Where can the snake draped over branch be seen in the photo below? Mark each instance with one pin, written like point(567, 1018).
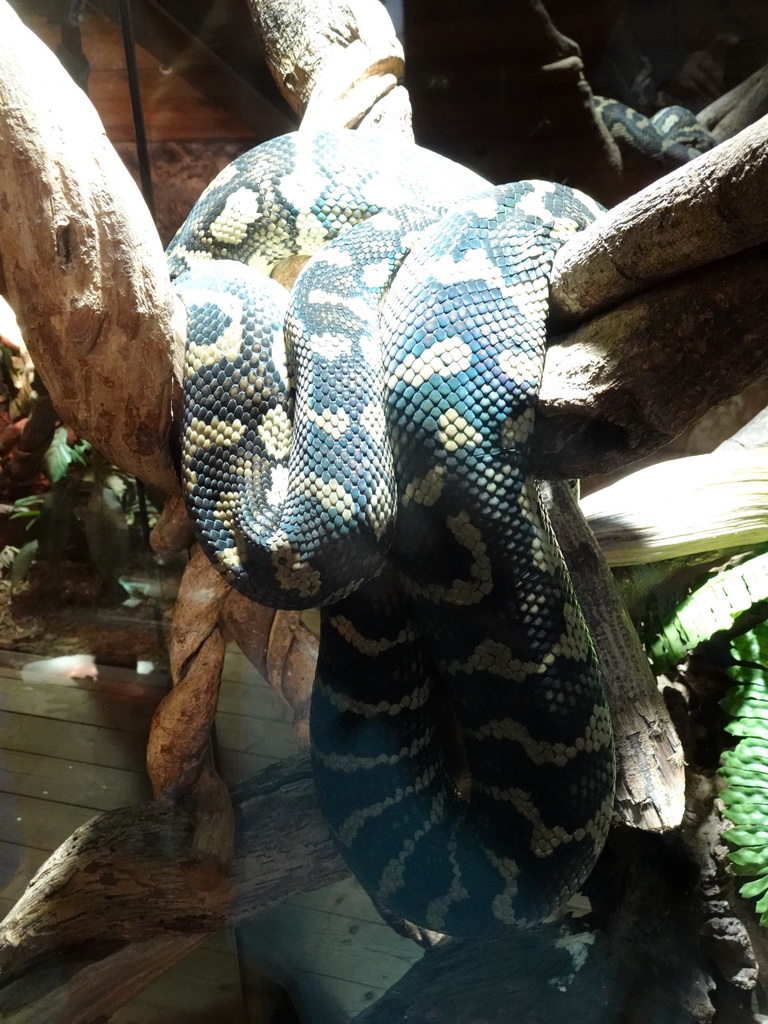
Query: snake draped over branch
point(362, 445)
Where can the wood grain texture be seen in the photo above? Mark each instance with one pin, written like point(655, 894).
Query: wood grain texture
point(650, 782)
point(710, 208)
point(334, 62)
point(83, 266)
point(133, 876)
point(631, 379)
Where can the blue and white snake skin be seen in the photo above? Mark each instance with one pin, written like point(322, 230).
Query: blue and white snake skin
point(363, 445)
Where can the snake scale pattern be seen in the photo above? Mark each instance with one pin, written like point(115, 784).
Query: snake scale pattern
point(362, 445)
point(672, 135)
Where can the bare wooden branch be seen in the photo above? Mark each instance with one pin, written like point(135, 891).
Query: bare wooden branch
point(173, 531)
point(683, 507)
point(131, 875)
point(334, 62)
point(712, 207)
point(100, 903)
point(82, 262)
point(739, 108)
point(631, 379)
point(178, 741)
point(711, 115)
point(650, 784)
point(282, 647)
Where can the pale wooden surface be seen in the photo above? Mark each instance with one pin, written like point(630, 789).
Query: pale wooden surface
point(72, 747)
point(172, 107)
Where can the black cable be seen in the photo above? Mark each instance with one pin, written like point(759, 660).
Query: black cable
point(142, 150)
point(145, 175)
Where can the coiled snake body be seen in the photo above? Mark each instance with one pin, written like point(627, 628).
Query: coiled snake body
point(401, 502)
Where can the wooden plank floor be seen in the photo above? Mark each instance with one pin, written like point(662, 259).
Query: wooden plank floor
point(70, 748)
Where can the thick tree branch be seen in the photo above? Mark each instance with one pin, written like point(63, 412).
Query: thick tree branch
point(110, 905)
point(629, 380)
point(82, 261)
point(683, 507)
point(650, 784)
point(335, 63)
point(710, 208)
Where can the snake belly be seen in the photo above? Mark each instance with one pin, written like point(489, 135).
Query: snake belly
point(459, 644)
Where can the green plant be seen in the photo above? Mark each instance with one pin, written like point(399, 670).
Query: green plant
point(721, 613)
point(90, 500)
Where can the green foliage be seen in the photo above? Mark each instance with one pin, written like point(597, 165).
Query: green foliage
point(22, 563)
point(28, 508)
point(745, 768)
point(89, 500)
point(60, 455)
point(712, 613)
point(710, 609)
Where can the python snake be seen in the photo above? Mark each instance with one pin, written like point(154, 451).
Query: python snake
point(672, 135)
point(362, 445)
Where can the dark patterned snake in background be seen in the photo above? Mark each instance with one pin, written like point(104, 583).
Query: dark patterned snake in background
point(362, 445)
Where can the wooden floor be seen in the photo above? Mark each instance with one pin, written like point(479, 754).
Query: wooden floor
point(71, 747)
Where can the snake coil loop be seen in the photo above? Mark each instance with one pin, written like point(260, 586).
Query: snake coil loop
point(363, 445)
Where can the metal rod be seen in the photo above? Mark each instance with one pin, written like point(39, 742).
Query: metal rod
point(139, 130)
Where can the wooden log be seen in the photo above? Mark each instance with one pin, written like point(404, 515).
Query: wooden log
point(711, 115)
point(178, 740)
point(710, 208)
point(683, 507)
point(650, 783)
point(631, 379)
point(335, 63)
point(172, 532)
point(282, 647)
point(104, 901)
point(68, 991)
point(134, 893)
point(82, 262)
point(750, 104)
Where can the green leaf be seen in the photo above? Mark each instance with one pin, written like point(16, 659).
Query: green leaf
point(58, 456)
point(745, 768)
point(750, 889)
point(710, 609)
point(748, 860)
point(749, 836)
point(80, 450)
point(754, 728)
point(23, 562)
point(28, 508)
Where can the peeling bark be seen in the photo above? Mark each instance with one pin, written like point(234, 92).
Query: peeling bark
point(650, 782)
point(631, 379)
point(335, 63)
